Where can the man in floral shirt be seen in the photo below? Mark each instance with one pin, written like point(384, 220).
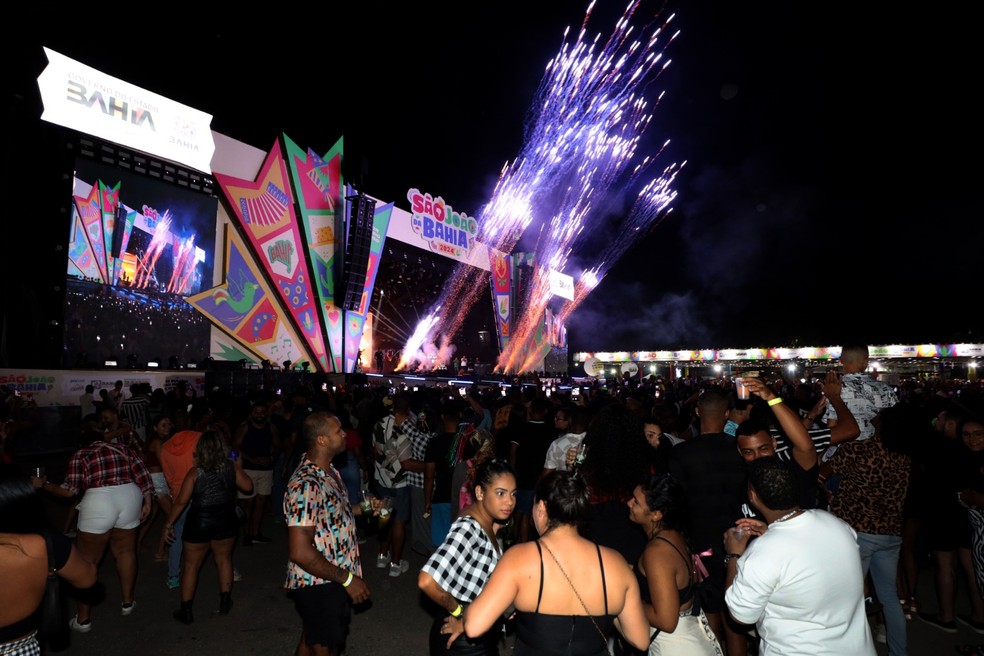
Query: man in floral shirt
point(324, 574)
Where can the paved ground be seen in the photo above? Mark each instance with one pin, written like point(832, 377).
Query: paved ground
point(263, 621)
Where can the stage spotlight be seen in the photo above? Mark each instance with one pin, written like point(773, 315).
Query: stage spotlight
point(242, 363)
point(153, 364)
point(131, 361)
point(287, 364)
point(109, 363)
point(305, 365)
point(173, 363)
point(266, 364)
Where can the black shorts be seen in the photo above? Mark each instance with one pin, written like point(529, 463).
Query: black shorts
point(326, 611)
point(201, 527)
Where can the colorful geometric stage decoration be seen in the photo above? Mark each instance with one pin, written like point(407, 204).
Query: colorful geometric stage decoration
point(317, 183)
point(264, 212)
point(247, 308)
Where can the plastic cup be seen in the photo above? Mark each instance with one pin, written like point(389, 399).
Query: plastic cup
point(385, 512)
point(366, 503)
point(741, 389)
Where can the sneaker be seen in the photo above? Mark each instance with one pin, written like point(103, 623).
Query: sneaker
point(382, 560)
point(126, 609)
point(261, 539)
point(970, 623)
point(399, 568)
point(80, 627)
point(236, 574)
point(934, 620)
point(173, 582)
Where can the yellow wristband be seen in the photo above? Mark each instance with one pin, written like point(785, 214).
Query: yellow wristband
point(348, 580)
point(457, 611)
point(775, 401)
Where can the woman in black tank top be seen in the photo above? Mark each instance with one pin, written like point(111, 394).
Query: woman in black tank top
point(667, 574)
point(570, 595)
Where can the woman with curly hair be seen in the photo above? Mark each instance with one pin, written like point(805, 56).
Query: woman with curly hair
point(615, 461)
point(211, 525)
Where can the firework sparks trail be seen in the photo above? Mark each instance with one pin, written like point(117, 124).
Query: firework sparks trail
point(419, 352)
point(651, 206)
point(157, 243)
point(579, 157)
point(178, 265)
point(185, 267)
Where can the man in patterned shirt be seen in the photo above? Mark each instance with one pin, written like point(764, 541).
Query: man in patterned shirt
point(135, 409)
point(418, 431)
point(864, 396)
point(116, 431)
point(324, 573)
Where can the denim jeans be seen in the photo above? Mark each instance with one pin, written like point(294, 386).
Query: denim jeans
point(880, 555)
point(174, 551)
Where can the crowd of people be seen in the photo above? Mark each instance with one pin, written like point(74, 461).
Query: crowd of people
point(619, 521)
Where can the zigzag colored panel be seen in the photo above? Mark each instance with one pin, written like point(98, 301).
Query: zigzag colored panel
point(91, 215)
point(264, 211)
point(245, 307)
point(80, 253)
point(131, 217)
point(109, 199)
point(317, 185)
point(501, 265)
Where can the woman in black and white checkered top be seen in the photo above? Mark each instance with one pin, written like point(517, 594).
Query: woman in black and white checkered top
point(457, 571)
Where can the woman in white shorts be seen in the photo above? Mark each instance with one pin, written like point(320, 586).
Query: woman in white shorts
point(158, 433)
point(117, 494)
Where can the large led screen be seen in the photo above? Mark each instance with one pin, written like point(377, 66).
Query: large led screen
point(138, 246)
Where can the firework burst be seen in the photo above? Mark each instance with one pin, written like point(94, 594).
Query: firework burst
point(581, 158)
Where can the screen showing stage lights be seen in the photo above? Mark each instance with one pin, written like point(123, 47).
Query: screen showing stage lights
point(138, 246)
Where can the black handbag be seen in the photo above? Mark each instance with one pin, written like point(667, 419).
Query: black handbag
point(53, 620)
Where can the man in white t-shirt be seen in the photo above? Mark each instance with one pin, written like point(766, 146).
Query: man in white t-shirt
point(800, 580)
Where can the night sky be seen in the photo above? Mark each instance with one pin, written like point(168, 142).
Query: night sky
point(831, 187)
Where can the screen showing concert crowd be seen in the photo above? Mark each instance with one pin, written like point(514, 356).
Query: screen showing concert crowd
point(138, 246)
